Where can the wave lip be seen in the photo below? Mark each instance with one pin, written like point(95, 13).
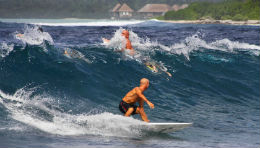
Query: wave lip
point(32, 36)
point(186, 47)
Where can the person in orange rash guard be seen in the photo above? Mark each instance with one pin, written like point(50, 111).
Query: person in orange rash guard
point(128, 45)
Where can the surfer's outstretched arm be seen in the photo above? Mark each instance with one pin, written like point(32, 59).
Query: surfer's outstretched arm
point(169, 74)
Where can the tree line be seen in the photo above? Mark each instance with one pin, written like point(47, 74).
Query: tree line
point(238, 10)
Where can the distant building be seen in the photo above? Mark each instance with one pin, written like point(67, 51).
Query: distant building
point(114, 11)
point(122, 11)
point(153, 10)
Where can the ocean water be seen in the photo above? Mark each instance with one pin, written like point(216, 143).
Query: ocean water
point(50, 99)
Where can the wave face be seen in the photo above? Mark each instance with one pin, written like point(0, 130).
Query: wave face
point(52, 99)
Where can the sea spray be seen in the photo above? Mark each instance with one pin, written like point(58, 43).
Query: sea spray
point(5, 49)
point(41, 112)
point(185, 48)
point(33, 36)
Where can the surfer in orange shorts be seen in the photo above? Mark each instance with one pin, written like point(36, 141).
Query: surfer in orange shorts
point(127, 105)
point(128, 45)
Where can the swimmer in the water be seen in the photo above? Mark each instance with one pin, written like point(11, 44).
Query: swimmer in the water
point(72, 53)
point(128, 45)
point(154, 67)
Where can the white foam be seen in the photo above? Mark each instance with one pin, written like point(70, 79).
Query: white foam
point(195, 43)
point(61, 123)
point(231, 45)
point(112, 23)
point(33, 36)
point(117, 42)
point(5, 49)
point(74, 22)
point(185, 47)
point(13, 127)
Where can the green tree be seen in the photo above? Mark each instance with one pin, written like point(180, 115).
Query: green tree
point(228, 9)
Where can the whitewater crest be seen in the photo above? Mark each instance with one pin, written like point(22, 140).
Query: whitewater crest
point(86, 22)
point(43, 113)
point(74, 22)
point(195, 43)
point(33, 36)
point(185, 47)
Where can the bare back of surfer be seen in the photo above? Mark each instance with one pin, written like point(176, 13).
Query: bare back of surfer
point(127, 105)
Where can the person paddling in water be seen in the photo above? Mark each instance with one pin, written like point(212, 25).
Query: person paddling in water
point(128, 46)
point(127, 105)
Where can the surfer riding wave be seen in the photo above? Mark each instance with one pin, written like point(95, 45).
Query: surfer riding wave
point(127, 105)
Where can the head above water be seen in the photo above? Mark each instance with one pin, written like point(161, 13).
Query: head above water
point(125, 33)
point(144, 82)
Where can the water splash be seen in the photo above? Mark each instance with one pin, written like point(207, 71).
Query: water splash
point(185, 47)
point(41, 112)
point(195, 43)
point(117, 42)
point(33, 36)
point(5, 49)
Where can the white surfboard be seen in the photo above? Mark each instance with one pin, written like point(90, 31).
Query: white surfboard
point(165, 127)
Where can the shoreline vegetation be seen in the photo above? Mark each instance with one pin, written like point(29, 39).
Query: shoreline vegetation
point(228, 22)
point(235, 12)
